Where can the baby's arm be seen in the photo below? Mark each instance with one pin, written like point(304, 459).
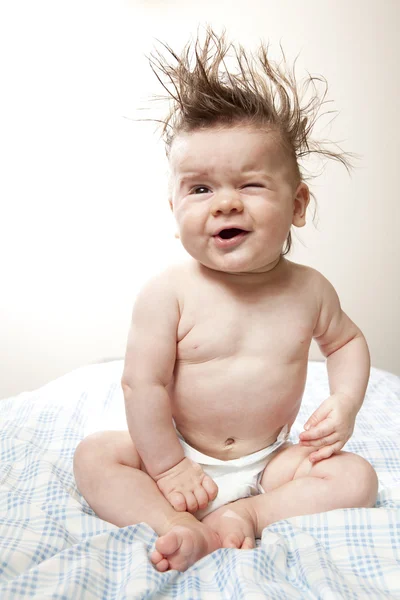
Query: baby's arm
point(348, 365)
point(149, 364)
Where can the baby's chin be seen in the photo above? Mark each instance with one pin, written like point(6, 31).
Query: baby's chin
point(241, 267)
point(226, 265)
point(239, 261)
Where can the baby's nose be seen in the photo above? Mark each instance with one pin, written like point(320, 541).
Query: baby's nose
point(226, 203)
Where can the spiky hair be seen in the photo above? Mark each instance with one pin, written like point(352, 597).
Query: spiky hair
point(203, 92)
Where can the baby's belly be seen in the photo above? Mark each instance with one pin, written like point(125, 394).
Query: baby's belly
point(232, 407)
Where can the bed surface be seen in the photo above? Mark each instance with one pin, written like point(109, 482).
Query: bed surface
point(52, 545)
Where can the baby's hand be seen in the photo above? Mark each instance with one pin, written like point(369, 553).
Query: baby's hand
point(329, 427)
point(186, 486)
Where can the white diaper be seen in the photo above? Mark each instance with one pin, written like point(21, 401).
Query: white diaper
point(236, 478)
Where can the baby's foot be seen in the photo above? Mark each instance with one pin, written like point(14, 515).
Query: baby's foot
point(183, 545)
point(235, 525)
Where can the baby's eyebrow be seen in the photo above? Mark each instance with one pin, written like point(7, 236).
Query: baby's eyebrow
point(257, 173)
point(199, 175)
point(186, 178)
point(189, 176)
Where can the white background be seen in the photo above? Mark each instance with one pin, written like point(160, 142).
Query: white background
point(84, 214)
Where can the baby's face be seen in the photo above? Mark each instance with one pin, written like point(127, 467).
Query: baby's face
point(234, 198)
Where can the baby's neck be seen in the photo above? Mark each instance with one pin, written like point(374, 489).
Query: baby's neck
point(272, 273)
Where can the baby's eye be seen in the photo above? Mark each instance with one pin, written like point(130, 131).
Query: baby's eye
point(200, 189)
point(257, 185)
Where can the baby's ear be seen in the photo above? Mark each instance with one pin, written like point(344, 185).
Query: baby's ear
point(170, 190)
point(300, 203)
point(172, 209)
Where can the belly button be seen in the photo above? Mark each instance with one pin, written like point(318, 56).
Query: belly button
point(229, 442)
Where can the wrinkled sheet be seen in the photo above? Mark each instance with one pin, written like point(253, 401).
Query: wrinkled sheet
point(52, 545)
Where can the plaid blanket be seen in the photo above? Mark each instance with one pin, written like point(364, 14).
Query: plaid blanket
point(52, 545)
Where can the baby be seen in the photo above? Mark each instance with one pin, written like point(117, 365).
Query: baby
point(216, 360)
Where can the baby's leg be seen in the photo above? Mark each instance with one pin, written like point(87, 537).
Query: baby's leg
point(107, 472)
point(296, 487)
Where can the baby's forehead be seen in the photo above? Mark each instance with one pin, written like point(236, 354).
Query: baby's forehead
point(244, 149)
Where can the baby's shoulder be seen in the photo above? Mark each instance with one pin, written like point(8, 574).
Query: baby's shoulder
point(165, 283)
point(176, 274)
point(307, 277)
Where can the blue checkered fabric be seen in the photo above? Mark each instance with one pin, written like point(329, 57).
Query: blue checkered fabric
point(52, 545)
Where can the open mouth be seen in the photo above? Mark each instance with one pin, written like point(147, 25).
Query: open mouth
point(227, 234)
point(230, 238)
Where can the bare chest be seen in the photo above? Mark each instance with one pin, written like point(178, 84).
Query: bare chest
point(217, 325)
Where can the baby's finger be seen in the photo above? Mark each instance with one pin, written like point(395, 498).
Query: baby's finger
point(324, 441)
point(177, 501)
point(210, 486)
point(191, 502)
point(323, 429)
point(325, 452)
point(201, 496)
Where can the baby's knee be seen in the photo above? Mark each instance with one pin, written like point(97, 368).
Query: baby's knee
point(353, 477)
point(366, 482)
point(100, 451)
point(94, 452)
point(87, 455)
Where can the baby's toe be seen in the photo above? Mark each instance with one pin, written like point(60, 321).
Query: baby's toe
point(232, 540)
point(248, 543)
point(167, 544)
point(162, 566)
point(156, 556)
point(160, 563)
